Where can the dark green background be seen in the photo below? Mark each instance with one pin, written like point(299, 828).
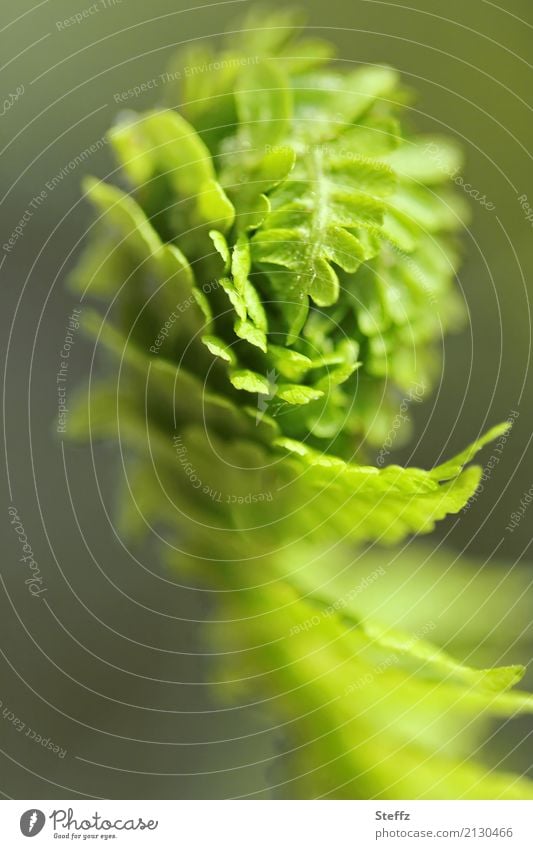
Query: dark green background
point(470, 63)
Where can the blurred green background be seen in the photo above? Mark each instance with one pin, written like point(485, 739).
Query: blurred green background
point(115, 669)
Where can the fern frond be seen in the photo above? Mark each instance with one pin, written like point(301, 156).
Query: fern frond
point(277, 267)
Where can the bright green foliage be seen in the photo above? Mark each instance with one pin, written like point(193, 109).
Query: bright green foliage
point(277, 267)
point(373, 711)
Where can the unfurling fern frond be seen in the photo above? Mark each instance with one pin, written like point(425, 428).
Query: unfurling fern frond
point(277, 266)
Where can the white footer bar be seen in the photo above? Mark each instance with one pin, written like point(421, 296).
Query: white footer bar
point(267, 824)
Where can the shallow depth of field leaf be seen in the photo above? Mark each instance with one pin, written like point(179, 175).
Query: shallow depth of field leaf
point(277, 268)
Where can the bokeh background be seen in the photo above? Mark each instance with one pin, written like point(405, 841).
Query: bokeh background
point(115, 670)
